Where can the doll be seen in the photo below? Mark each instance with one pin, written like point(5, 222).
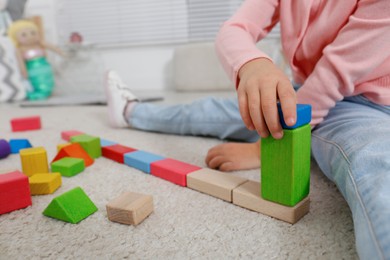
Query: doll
point(31, 54)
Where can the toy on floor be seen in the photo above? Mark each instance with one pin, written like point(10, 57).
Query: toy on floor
point(75, 151)
point(5, 148)
point(116, 152)
point(141, 160)
point(19, 144)
point(26, 123)
point(66, 135)
point(34, 160)
point(91, 144)
point(68, 166)
point(44, 183)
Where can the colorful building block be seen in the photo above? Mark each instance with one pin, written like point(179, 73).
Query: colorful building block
point(5, 148)
point(214, 183)
point(141, 160)
point(130, 208)
point(18, 144)
point(248, 196)
point(60, 146)
point(26, 123)
point(104, 142)
point(116, 152)
point(44, 183)
point(14, 192)
point(173, 170)
point(75, 151)
point(91, 144)
point(303, 116)
point(72, 206)
point(285, 166)
point(34, 160)
point(68, 166)
point(66, 135)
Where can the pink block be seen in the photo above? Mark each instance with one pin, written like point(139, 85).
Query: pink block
point(173, 170)
point(26, 123)
point(14, 192)
point(66, 135)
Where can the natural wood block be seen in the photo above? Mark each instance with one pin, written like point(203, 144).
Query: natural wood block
point(173, 170)
point(19, 144)
point(14, 192)
point(44, 183)
point(26, 123)
point(214, 183)
point(68, 166)
point(141, 160)
point(248, 196)
point(34, 160)
point(66, 135)
point(91, 144)
point(75, 151)
point(5, 148)
point(116, 152)
point(285, 166)
point(60, 146)
point(130, 208)
point(72, 206)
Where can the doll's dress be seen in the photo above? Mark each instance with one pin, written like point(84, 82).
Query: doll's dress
point(40, 74)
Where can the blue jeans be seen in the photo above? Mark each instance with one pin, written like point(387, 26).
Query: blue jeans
point(351, 146)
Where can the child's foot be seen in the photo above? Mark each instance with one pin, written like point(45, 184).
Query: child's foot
point(234, 156)
point(119, 97)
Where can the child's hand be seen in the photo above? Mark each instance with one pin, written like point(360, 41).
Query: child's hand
point(261, 85)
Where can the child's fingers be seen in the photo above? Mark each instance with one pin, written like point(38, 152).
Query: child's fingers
point(270, 111)
point(243, 107)
point(255, 112)
point(288, 101)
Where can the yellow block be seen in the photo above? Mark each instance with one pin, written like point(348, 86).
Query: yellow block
point(34, 160)
point(60, 146)
point(44, 183)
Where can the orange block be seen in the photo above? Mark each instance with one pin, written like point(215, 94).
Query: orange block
point(75, 151)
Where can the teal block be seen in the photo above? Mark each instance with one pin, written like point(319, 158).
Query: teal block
point(68, 166)
point(141, 160)
point(104, 143)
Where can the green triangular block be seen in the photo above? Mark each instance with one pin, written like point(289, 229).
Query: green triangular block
point(72, 206)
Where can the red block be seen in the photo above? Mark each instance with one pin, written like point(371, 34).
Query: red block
point(116, 152)
point(74, 150)
point(66, 135)
point(14, 192)
point(173, 170)
point(26, 123)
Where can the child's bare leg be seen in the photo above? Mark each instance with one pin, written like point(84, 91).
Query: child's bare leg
point(234, 156)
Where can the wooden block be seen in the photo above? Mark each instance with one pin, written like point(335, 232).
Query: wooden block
point(303, 116)
point(91, 144)
point(68, 166)
point(214, 183)
point(72, 206)
point(104, 142)
point(34, 160)
point(45, 183)
point(75, 151)
point(60, 146)
point(26, 123)
point(248, 196)
point(18, 144)
point(141, 160)
point(116, 152)
point(285, 166)
point(66, 135)
point(130, 208)
point(14, 192)
point(5, 148)
point(173, 170)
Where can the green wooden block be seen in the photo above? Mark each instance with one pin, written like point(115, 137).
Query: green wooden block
point(68, 166)
point(91, 144)
point(285, 166)
point(72, 206)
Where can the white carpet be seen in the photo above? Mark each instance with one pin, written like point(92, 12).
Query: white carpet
point(185, 223)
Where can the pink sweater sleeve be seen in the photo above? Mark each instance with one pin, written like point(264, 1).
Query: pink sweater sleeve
point(361, 46)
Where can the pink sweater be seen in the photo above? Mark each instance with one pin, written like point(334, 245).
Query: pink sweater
point(336, 48)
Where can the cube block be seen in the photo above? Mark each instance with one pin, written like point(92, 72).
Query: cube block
point(173, 170)
point(74, 151)
point(104, 142)
point(44, 183)
point(116, 152)
point(66, 135)
point(72, 206)
point(214, 183)
point(303, 116)
point(248, 196)
point(141, 160)
point(26, 123)
point(130, 208)
point(91, 144)
point(285, 166)
point(14, 192)
point(5, 148)
point(34, 160)
point(68, 166)
point(18, 144)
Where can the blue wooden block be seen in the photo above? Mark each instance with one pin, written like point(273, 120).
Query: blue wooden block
point(104, 143)
point(141, 160)
point(303, 116)
point(18, 144)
